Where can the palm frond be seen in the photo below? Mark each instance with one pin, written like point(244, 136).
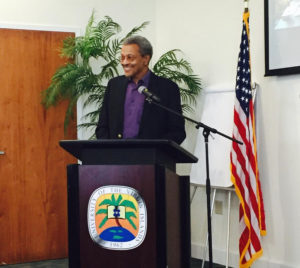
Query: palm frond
point(94, 99)
point(114, 49)
point(135, 30)
point(130, 214)
point(87, 125)
point(106, 28)
point(90, 23)
point(101, 211)
point(109, 70)
point(119, 199)
point(106, 202)
point(130, 221)
point(128, 203)
point(69, 50)
point(103, 221)
point(186, 108)
point(91, 117)
point(96, 40)
point(170, 61)
point(62, 85)
point(113, 199)
point(180, 71)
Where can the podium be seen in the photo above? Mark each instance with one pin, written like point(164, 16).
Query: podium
point(126, 205)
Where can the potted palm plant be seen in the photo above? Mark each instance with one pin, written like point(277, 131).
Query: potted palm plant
point(101, 41)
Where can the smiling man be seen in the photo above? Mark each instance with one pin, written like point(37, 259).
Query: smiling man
point(125, 114)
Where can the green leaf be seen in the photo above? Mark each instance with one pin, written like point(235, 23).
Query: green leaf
point(68, 50)
point(135, 30)
point(101, 211)
point(128, 203)
point(113, 200)
point(130, 214)
point(119, 200)
point(103, 221)
point(131, 222)
point(106, 202)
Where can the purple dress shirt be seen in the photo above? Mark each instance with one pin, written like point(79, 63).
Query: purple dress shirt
point(133, 107)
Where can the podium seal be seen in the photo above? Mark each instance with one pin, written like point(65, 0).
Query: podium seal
point(117, 217)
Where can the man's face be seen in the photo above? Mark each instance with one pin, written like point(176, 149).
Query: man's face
point(134, 64)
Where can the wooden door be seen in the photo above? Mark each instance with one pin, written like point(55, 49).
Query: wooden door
point(33, 192)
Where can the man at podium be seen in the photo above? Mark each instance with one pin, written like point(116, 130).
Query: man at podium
point(125, 114)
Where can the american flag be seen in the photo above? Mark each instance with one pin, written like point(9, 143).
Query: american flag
point(244, 170)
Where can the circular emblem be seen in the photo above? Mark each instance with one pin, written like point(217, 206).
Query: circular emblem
point(117, 217)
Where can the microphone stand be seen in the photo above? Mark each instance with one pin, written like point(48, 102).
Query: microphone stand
point(206, 132)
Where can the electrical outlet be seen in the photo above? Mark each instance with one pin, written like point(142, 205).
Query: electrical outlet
point(218, 207)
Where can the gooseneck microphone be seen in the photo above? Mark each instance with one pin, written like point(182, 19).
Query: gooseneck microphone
point(143, 90)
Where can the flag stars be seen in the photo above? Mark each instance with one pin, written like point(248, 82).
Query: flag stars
point(243, 78)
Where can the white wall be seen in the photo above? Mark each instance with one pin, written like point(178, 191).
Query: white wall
point(209, 34)
point(75, 13)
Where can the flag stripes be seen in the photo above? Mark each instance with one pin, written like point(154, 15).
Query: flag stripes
point(244, 171)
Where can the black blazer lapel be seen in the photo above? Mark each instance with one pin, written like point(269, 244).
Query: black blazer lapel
point(120, 94)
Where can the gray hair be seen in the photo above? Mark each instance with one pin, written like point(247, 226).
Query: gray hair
point(144, 45)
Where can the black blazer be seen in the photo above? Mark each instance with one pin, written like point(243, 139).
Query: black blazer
point(156, 123)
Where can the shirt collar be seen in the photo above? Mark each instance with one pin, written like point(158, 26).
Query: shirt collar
point(144, 80)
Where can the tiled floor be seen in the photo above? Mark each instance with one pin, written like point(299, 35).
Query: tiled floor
point(63, 263)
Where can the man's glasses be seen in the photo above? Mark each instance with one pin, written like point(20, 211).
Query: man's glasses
point(129, 58)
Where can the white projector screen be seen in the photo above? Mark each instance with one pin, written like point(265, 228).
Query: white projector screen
point(282, 36)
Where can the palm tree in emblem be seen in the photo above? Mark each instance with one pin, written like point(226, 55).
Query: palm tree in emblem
point(116, 208)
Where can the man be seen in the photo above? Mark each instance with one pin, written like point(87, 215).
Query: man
point(125, 114)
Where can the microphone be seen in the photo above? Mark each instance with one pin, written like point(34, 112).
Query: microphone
point(143, 90)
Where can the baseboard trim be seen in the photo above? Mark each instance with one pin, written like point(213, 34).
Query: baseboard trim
point(219, 257)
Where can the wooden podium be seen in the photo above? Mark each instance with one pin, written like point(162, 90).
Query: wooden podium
point(112, 173)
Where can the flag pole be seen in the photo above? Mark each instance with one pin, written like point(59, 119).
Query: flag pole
point(246, 2)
